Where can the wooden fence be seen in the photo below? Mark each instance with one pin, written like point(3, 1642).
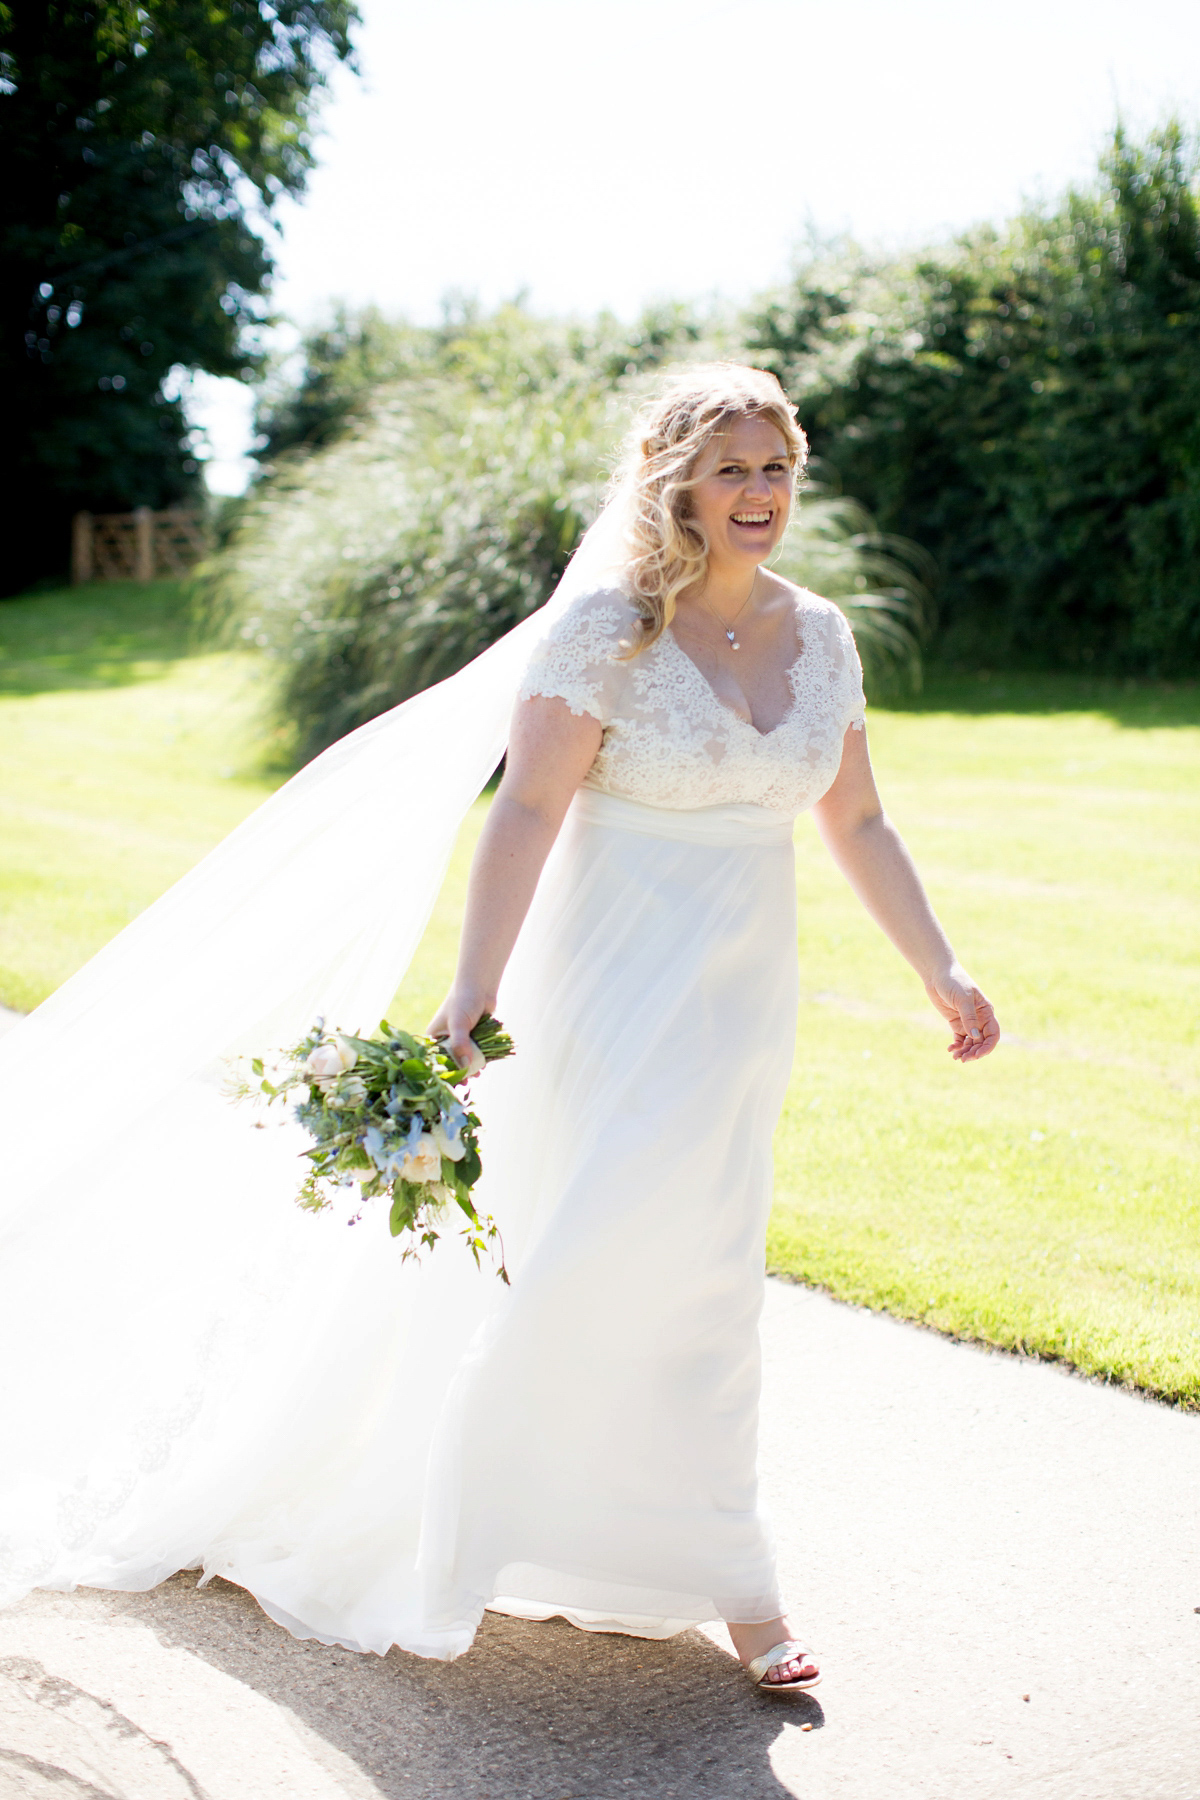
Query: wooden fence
point(136, 546)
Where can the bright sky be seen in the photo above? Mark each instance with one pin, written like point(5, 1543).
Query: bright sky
point(608, 152)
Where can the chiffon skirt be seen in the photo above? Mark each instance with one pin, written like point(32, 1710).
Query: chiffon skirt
point(378, 1450)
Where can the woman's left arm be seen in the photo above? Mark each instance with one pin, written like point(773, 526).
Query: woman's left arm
point(872, 856)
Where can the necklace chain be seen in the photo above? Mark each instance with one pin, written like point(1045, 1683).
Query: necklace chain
point(729, 630)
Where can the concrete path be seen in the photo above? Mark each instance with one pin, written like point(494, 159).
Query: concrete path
point(999, 1563)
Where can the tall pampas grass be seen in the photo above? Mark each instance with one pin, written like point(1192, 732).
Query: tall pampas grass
point(882, 583)
point(372, 566)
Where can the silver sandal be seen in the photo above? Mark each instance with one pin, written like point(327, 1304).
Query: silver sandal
point(759, 1667)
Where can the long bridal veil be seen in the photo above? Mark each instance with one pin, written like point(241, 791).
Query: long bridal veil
point(165, 1317)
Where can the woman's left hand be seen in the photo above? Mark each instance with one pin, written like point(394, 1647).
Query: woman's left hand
point(967, 1011)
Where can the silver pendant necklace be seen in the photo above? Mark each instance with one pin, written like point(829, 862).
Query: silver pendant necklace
point(730, 629)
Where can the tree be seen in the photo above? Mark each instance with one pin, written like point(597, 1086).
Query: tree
point(1026, 406)
point(347, 362)
point(140, 147)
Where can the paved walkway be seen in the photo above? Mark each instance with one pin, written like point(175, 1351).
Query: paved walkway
point(999, 1563)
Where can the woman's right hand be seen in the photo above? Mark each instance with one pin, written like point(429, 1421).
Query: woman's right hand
point(550, 751)
point(454, 1022)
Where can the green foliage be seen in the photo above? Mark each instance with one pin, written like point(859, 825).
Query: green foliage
point(384, 1118)
point(130, 139)
point(348, 361)
point(1026, 406)
point(880, 581)
point(408, 524)
point(345, 364)
point(440, 511)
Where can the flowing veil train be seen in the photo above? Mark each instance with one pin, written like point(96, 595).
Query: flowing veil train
point(166, 1319)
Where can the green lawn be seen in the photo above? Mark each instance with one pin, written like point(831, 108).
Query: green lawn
point(1047, 1198)
point(124, 756)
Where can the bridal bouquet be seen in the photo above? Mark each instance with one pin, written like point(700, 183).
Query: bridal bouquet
point(385, 1117)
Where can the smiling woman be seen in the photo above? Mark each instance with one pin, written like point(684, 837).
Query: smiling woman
point(712, 489)
point(741, 503)
point(381, 1453)
point(632, 911)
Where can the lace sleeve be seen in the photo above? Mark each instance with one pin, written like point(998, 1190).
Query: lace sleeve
point(579, 659)
point(847, 674)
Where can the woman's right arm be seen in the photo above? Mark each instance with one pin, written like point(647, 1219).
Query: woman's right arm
point(550, 750)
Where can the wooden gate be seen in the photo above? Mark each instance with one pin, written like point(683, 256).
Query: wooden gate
point(136, 546)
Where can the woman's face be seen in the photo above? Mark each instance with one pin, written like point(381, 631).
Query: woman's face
point(744, 495)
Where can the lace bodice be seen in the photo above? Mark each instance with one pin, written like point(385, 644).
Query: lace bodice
point(669, 741)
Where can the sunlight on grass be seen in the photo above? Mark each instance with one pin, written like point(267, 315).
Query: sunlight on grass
point(1046, 1199)
point(123, 759)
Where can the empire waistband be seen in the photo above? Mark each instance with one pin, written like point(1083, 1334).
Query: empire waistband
point(723, 826)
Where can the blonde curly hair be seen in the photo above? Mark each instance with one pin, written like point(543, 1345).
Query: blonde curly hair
point(667, 549)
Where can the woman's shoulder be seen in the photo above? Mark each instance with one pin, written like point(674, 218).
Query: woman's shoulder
point(603, 618)
point(810, 605)
point(580, 655)
point(829, 660)
point(816, 617)
point(604, 603)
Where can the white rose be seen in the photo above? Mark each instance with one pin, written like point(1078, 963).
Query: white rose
point(330, 1060)
point(351, 1091)
point(453, 1147)
point(424, 1163)
point(356, 1172)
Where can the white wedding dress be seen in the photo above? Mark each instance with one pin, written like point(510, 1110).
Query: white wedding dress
point(377, 1450)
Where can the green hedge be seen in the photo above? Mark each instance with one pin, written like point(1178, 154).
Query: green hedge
point(1026, 406)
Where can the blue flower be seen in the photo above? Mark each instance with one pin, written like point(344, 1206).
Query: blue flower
point(454, 1118)
point(390, 1154)
point(447, 1133)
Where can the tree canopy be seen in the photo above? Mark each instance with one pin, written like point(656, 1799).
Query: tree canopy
point(137, 143)
point(1026, 406)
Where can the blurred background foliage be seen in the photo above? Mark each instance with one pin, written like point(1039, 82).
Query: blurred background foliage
point(408, 521)
point(142, 145)
point(423, 491)
point(1006, 429)
point(1025, 405)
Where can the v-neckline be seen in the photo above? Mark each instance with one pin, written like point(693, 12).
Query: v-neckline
point(713, 695)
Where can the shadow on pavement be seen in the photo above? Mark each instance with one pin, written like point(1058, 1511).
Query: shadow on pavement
point(75, 1722)
point(533, 1712)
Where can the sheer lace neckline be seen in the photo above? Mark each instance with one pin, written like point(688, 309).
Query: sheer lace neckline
point(668, 739)
point(725, 710)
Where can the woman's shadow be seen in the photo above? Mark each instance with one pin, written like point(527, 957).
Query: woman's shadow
point(533, 1712)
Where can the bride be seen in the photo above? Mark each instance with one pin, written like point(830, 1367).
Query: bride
point(379, 1451)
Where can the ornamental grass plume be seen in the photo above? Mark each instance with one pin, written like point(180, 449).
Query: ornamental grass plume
point(373, 565)
point(881, 582)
